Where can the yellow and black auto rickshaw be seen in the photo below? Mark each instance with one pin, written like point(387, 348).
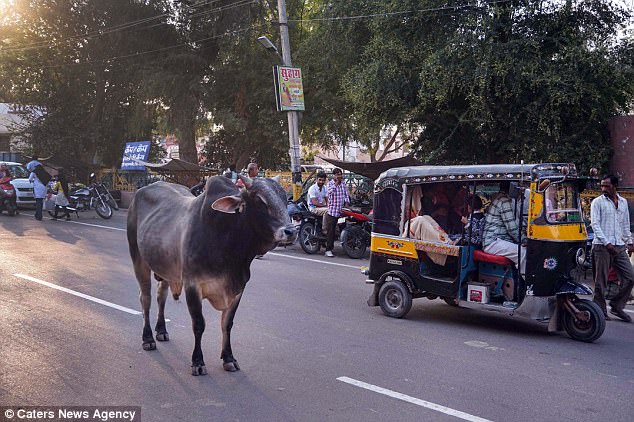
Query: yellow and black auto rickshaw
point(549, 220)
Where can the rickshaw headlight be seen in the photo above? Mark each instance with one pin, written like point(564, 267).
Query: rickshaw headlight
point(581, 257)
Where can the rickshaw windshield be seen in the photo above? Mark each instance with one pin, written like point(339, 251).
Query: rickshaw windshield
point(562, 203)
point(387, 211)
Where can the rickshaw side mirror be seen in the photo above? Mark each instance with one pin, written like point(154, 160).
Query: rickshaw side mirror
point(543, 185)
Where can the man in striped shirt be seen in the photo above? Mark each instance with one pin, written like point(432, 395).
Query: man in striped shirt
point(501, 234)
point(337, 198)
point(611, 246)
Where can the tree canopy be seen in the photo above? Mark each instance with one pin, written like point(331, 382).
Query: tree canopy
point(460, 81)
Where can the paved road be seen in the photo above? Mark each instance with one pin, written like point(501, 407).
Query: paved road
point(309, 347)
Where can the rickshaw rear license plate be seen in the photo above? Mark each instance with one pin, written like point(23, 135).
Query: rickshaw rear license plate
point(478, 293)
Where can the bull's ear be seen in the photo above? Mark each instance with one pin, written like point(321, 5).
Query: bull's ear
point(228, 204)
point(276, 178)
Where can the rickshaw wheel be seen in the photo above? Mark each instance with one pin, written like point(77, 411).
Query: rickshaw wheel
point(395, 299)
point(587, 331)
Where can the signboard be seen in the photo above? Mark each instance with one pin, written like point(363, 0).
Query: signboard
point(135, 151)
point(289, 91)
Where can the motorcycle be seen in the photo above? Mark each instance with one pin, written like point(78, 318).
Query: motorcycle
point(104, 192)
point(7, 197)
point(84, 198)
point(356, 235)
point(353, 229)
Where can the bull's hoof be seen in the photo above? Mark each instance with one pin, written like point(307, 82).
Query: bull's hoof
point(162, 337)
point(231, 366)
point(199, 370)
point(149, 345)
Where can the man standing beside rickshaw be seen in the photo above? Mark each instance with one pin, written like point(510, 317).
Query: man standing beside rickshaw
point(611, 246)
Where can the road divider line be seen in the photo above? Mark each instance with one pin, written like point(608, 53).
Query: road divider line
point(82, 295)
point(413, 400)
point(313, 260)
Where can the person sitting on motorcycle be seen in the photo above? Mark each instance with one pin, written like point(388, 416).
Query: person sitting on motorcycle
point(61, 199)
point(318, 199)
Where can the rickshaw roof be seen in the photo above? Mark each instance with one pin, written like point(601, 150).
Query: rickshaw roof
point(493, 172)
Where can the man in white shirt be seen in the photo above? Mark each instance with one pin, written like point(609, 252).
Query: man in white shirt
point(611, 246)
point(318, 199)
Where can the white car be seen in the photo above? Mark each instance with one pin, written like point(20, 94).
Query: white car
point(23, 188)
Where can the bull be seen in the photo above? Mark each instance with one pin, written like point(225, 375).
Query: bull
point(204, 245)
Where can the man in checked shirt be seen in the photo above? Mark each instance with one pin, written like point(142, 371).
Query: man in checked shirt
point(337, 198)
point(611, 246)
point(501, 232)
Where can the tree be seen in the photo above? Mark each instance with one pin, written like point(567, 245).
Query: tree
point(73, 65)
point(530, 80)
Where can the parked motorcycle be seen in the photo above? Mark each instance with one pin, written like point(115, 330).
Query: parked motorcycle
point(353, 228)
point(103, 192)
point(356, 235)
point(7, 197)
point(84, 198)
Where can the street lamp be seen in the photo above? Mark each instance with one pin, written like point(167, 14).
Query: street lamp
point(266, 43)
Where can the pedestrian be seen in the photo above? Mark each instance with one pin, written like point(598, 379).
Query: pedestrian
point(231, 173)
point(39, 177)
point(337, 197)
point(61, 197)
point(611, 246)
point(252, 172)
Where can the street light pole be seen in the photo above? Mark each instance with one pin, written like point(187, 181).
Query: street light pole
point(293, 116)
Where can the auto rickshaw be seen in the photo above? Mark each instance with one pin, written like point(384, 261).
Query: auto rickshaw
point(549, 219)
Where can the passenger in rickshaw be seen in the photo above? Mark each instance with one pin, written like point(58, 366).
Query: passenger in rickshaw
point(424, 227)
point(474, 223)
point(501, 231)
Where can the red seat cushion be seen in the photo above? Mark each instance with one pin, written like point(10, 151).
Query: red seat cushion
point(481, 256)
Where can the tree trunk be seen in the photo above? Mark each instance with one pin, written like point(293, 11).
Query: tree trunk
point(187, 142)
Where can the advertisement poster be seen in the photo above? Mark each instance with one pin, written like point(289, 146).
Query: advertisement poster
point(289, 91)
point(135, 151)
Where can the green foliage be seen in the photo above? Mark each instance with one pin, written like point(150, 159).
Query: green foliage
point(465, 81)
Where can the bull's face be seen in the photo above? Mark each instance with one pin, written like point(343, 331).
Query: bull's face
point(264, 204)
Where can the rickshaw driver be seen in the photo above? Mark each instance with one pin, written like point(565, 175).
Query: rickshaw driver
point(501, 232)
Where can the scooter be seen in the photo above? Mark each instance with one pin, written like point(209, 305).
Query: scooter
point(7, 197)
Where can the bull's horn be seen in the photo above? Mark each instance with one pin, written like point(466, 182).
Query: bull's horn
point(276, 178)
point(248, 182)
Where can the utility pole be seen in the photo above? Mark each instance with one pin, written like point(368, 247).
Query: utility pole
point(293, 116)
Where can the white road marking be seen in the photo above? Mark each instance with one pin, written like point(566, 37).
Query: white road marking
point(482, 345)
point(314, 260)
point(84, 296)
point(414, 400)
